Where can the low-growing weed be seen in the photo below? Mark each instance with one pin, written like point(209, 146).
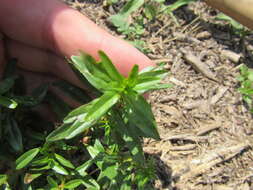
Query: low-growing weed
point(246, 85)
point(99, 144)
point(236, 27)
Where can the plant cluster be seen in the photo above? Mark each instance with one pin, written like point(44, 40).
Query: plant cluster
point(134, 28)
point(236, 27)
point(99, 144)
point(246, 86)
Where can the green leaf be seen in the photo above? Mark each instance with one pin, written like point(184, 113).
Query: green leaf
point(132, 78)
point(59, 169)
point(7, 102)
point(176, 5)
point(29, 177)
point(69, 130)
point(131, 6)
point(150, 11)
point(90, 183)
point(7, 84)
point(52, 182)
point(120, 19)
point(96, 149)
point(129, 136)
point(109, 67)
point(80, 63)
point(73, 184)
point(109, 170)
point(82, 169)
point(14, 135)
point(43, 160)
point(139, 112)
point(79, 113)
point(104, 103)
point(26, 158)
point(3, 179)
point(64, 161)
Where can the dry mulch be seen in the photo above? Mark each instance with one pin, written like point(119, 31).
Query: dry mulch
point(206, 129)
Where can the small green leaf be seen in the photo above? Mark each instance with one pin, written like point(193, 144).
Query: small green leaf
point(79, 113)
point(104, 103)
point(29, 177)
point(80, 63)
point(132, 78)
point(3, 179)
point(59, 169)
point(52, 182)
point(64, 161)
point(7, 102)
point(73, 184)
point(14, 135)
point(140, 113)
point(109, 170)
point(26, 158)
point(82, 169)
point(109, 67)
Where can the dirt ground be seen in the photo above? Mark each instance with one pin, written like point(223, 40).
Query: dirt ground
point(206, 129)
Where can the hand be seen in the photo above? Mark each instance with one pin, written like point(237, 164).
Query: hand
point(41, 33)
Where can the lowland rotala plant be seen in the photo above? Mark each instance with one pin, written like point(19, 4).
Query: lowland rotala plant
point(99, 144)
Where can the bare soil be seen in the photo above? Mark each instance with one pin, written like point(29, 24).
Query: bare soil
point(206, 129)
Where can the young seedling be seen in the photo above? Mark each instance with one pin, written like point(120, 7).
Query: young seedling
point(111, 128)
point(246, 88)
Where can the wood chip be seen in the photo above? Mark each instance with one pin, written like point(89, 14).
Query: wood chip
point(186, 137)
point(210, 160)
point(193, 104)
point(221, 91)
point(171, 110)
point(199, 66)
point(184, 147)
point(235, 57)
point(206, 129)
point(177, 82)
point(203, 35)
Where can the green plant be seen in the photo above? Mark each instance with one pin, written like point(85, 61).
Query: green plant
point(237, 28)
point(246, 86)
point(106, 133)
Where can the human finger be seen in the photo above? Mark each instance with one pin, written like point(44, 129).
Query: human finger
point(52, 25)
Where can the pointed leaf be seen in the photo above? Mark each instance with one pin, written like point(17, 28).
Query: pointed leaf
point(14, 135)
point(80, 64)
point(132, 78)
point(9, 103)
point(139, 112)
point(26, 158)
point(109, 67)
point(73, 184)
point(104, 103)
point(51, 182)
point(59, 169)
point(3, 179)
point(64, 161)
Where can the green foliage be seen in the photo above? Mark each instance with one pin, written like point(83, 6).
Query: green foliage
point(110, 128)
point(237, 28)
point(246, 87)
